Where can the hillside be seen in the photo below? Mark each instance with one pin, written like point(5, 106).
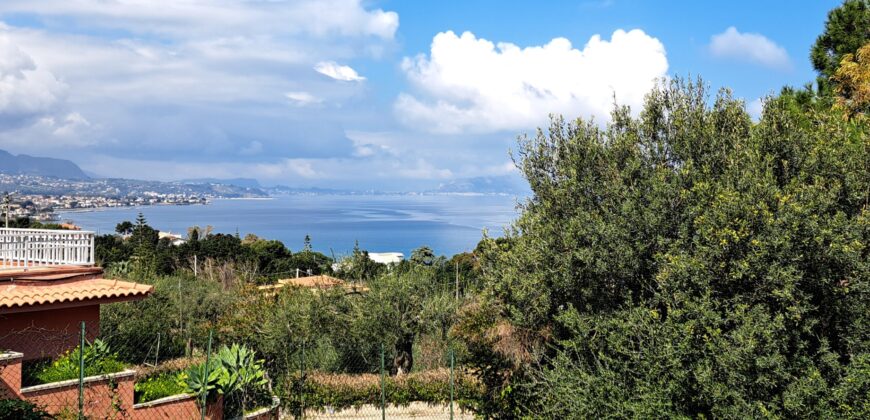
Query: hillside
point(40, 166)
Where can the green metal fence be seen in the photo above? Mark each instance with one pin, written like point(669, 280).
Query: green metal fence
point(85, 371)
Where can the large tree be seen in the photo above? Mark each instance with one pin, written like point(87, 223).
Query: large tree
point(846, 30)
point(684, 263)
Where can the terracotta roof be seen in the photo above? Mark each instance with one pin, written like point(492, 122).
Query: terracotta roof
point(48, 290)
point(320, 282)
point(313, 282)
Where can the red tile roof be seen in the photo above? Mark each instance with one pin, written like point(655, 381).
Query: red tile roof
point(320, 282)
point(29, 291)
point(314, 282)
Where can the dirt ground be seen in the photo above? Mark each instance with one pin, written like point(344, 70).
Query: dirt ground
point(414, 411)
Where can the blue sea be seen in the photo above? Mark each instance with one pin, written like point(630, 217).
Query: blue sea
point(448, 224)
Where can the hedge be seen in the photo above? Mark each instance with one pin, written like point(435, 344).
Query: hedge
point(341, 391)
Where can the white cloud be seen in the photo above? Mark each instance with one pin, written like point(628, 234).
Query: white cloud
point(302, 98)
point(425, 170)
point(749, 47)
point(192, 79)
point(218, 17)
point(338, 72)
point(472, 84)
point(26, 91)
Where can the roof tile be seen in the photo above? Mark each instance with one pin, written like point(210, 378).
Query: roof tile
point(20, 293)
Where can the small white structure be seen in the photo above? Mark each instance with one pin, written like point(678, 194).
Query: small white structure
point(387, 257)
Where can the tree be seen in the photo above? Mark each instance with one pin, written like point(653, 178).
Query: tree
point(423, 256)
point(683, 263)
point(846, 30)
point(358, 266)
point(852, 82)
point(144, 240)
point(124, 228)
point(398, 308)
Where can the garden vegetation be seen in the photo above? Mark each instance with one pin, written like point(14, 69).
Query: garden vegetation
point(681, 260)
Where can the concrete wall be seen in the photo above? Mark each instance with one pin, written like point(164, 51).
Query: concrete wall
point(42, 334)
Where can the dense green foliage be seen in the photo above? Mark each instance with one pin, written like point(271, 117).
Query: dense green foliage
point(21, 410)
point(687, 263)
point(846, 29)
point(138, 251)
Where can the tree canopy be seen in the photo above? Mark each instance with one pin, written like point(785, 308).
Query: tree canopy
point(684, 263)
point(846, 30)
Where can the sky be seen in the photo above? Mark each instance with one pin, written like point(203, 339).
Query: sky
point(386, 95)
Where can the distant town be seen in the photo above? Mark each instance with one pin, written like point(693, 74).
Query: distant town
point(40, 197)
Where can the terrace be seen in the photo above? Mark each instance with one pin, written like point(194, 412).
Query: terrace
point(50, 297)
point(23, 250)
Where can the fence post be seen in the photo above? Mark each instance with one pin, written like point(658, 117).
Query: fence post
point(302, 382)
point(451, 383)
point(383, 387)
point(206, 372)
point(82, 372)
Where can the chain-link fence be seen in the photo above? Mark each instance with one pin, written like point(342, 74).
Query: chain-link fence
point(120, 366)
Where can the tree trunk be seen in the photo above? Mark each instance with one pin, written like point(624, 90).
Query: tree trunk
point(404, 359)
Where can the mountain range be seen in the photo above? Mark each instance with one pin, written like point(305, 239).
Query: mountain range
point(39, 166)
point(235, 187)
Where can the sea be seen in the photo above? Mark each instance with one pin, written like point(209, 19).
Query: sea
point(447, 223)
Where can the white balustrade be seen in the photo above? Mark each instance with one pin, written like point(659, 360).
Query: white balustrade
point(22, 248)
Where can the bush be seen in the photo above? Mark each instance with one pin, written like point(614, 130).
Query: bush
point(234, 372)
point(21, 410)
point(99, 360)
point(341, 391)
point(157, 387)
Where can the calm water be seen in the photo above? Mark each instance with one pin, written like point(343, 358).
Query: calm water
point(447, 223)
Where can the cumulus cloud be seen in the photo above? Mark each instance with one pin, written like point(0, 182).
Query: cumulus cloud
point(338, 72)
point(302, 98)
point(749, 47)
point(26, 91)
point(192, 79)
point(472, 84)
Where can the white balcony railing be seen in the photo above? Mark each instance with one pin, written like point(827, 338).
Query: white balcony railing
point(23, 248)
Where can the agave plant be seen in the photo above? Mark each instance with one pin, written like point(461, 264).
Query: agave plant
point(200, 379)
point(242, 375)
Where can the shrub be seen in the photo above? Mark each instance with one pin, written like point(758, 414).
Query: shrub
point(98, 358)
point(22, 410)
point(234, 372)
point(157, 387)
point(341, 391)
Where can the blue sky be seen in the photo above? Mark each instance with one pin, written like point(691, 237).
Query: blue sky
point(359, 94)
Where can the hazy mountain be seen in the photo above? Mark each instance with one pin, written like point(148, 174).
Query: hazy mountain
point(40, 166)
point(238, 182)
point(486, 185)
